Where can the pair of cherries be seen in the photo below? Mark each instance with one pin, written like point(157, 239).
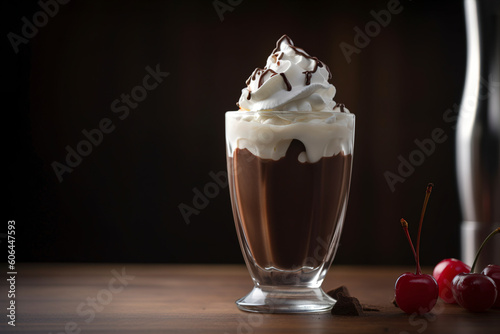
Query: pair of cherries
point(473, 291)
point(452, 280)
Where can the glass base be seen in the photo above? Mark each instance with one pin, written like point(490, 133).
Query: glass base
point(286, 300)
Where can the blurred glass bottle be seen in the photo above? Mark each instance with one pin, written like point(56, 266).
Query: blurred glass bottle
point(478, 133)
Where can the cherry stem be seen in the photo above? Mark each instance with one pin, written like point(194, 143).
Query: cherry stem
point(427, 195)
point(404, 223)
point(481, 248)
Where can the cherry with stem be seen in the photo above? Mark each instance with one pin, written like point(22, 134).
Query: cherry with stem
point(416, 293)
point(497, 230)
point(473, 291)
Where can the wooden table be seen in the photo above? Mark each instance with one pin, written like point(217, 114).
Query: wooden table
point(152, 298)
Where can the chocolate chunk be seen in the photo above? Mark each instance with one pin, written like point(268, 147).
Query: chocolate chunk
point(337, 292)
point(347, 306)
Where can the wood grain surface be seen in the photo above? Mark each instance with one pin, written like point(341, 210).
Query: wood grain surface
point(157, 298)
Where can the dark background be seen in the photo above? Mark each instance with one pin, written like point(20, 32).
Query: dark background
point(121, 202)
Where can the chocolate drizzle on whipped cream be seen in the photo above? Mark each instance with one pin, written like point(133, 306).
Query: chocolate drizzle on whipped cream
point(277, 54)
point(318, 64)
point(291, 80)
point(301, 52)
point(287, 83)
point(341, 106)
point(273, 73)
point(261, 73)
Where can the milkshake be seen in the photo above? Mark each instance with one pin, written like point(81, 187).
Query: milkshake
point(289, 153)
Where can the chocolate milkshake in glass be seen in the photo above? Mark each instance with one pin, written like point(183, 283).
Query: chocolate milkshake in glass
point(289, 154)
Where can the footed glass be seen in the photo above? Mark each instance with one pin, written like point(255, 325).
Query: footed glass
point(289, 175)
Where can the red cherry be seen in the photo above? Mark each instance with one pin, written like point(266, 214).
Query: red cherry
point(493, 272)
point(416, 293)
point(474, 292)
point(444, 272)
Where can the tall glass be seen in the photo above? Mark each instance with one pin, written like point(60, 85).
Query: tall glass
point(289, 176)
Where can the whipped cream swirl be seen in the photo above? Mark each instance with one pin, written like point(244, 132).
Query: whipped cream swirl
point(291, 81)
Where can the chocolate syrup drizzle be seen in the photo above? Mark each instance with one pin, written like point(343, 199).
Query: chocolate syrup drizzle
point(341, 106)
point(278, 54)
point(273, 73)
point(287, 83)
point(301, 52)
point(261, 72)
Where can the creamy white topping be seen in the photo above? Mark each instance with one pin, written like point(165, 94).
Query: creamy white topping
point(269, 134)
point(289, 99)
point(291, 80)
